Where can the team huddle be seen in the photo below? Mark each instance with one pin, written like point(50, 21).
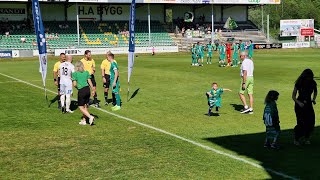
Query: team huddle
point(224, 51)
point(81, 76)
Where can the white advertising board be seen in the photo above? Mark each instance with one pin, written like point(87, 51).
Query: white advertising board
point(291, 27)
point(296, 45)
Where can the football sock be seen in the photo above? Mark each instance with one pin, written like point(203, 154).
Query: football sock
point(118, 99)
point(62, 99)
point(68, 101)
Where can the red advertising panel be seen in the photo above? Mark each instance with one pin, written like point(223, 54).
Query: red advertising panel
point(307, 32)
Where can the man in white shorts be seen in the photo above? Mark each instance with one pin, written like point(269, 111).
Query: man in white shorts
point(66, 69)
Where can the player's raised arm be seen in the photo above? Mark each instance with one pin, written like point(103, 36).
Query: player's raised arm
point(225, 89)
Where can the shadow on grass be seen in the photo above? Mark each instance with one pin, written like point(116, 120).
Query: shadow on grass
point(237, 107)
point(213, 114)
point(317, 78)
point(134, 94)
point(55, 99)
point(297, 161)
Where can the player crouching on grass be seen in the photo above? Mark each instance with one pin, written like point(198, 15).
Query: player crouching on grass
point(214, 97)
point(81, 80)
point(271, 120)
point(114, 80)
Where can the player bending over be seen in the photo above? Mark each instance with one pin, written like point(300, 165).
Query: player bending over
point(214, 97)
point(271, 120)
point(65, 71)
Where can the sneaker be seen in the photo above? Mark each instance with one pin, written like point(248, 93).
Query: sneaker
point(63, 110)
point(97, 105)
point(207, 63)
point(106, 103)
point(275, 146)
point(307, 142)
point(297, 143)
point(245, 110)
point(69, 111)
point(251, 111)
point(91, 119)
point(82, 122)
point(116, 108)
point(266, 145)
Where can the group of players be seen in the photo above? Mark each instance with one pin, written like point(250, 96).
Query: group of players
point(64, 71)
point(224, 51)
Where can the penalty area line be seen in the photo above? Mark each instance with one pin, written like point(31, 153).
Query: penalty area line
point(174, 135)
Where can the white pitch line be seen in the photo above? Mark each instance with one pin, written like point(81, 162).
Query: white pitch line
point(3, 82)
point(176, 136)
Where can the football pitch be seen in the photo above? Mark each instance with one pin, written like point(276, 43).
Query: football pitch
point(163, 131)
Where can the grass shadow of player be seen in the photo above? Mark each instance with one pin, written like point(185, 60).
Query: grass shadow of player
point(296, 161)
point(56, 98)
point(212, 114)
point(237, 107)
point(134, 94)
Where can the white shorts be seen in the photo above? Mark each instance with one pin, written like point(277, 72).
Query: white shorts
point(65, 89)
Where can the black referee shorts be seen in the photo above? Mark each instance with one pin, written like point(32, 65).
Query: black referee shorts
point(93, 80)
point(107, 84)
point(83, 96)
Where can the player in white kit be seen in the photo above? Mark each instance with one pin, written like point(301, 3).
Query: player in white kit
point(66, 69)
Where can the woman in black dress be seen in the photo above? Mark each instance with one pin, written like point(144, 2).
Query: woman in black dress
point(305, 86)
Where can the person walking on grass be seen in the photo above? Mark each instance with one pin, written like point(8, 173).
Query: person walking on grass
point(305, 86)
point(82, 81)
point(247, 82)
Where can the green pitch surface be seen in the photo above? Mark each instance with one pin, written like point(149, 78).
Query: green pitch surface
point(175, 138)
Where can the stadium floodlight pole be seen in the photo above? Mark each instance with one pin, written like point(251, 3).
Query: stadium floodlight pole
point(262, 24)
point(268, 35)
point(78, 26)
point(149, 24)
point(212, 24)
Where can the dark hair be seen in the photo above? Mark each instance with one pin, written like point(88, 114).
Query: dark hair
point(86, 52)
point(62, 54)
point(305, 78)
point(271, 96)
point(214, 83)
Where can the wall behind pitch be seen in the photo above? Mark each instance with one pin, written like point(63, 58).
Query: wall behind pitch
point(14, 12)
point(52, 12)
point(238, 13)
point(115, 12)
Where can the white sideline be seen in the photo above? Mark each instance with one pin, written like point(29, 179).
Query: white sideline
point(176, 136)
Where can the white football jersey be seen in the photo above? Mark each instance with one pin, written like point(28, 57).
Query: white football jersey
point(65, 70)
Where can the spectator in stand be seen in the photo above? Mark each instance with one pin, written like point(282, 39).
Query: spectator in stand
point(56, 36)
point(34, 43)
point(23, 40)
point(7, 34)
point(183, 31)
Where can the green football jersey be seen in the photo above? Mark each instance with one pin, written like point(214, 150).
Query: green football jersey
point(215, 99)
point(242, 47)
point(235, 49)
point(222, 49)
point(209, 48)
point(113, 67)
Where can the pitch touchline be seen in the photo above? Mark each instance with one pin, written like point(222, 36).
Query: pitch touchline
point(174, 135)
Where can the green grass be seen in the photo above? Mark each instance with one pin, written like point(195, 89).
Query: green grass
point(39, 142)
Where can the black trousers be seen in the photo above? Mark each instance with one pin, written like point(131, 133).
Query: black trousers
point(305, 120)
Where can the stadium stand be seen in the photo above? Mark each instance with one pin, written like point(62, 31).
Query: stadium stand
point(92, 34)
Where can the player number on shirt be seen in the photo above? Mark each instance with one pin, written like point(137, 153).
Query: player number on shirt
point(65, 71)
point(267, 119)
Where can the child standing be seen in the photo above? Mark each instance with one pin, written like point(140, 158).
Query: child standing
point(214, 97)
point(271, 120)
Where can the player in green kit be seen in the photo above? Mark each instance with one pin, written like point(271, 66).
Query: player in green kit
point(242, 46)
point(214, 97)
point(209, 55)
point(194, 55)
point(222, 54)
point(235, 55)
point(250, 49)
point(201, 53)
point(114, 80)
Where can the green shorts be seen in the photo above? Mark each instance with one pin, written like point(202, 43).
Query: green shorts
point(209, 54)
point(249, 86)
point(201, 55)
